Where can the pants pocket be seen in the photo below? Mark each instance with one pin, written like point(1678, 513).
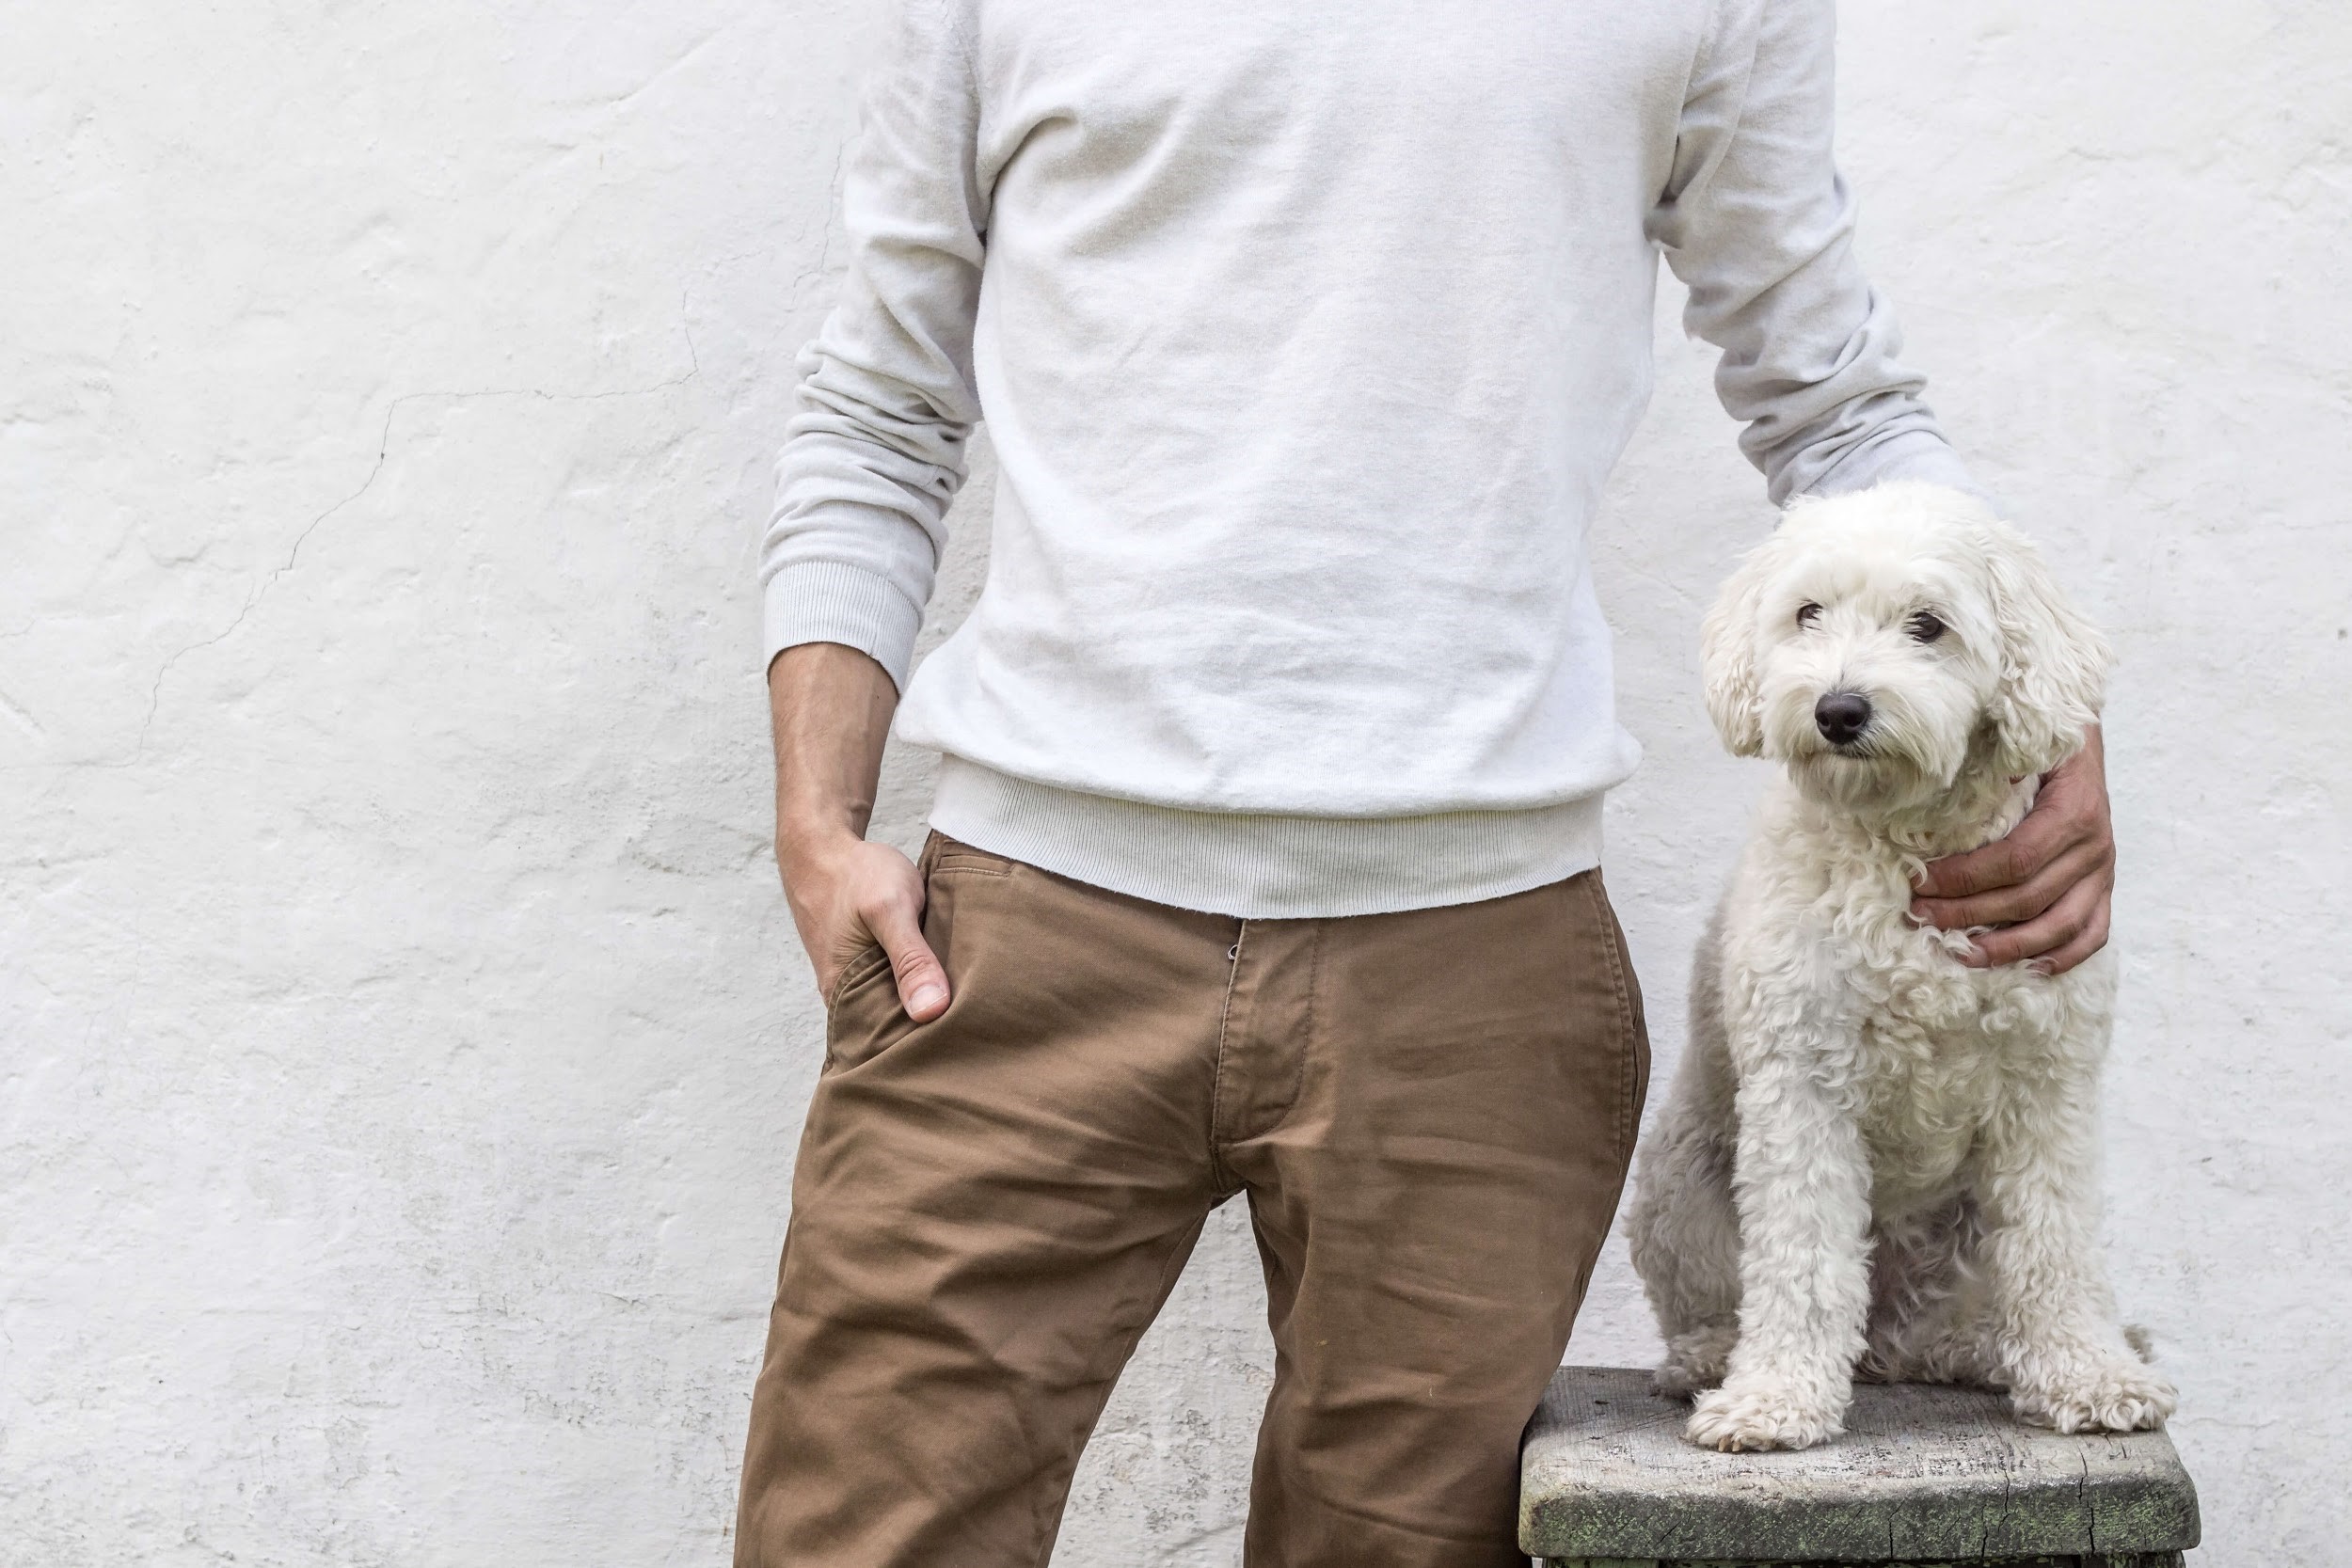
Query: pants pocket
point(864, 1003)
point(1633, 1023)
point(870, 961)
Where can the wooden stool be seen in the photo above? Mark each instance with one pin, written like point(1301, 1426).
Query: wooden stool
point(1923, 1475)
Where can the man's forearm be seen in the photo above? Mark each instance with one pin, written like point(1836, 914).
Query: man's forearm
point(830, 706)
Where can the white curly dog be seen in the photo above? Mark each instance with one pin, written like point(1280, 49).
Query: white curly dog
point(1877, 1161)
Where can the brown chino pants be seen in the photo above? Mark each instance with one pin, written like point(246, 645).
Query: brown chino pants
point(1431, 1114)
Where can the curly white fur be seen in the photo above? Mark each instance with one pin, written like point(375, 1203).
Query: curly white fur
point(1877, 1159)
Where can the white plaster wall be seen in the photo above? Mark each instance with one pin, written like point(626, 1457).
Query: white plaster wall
point(401, 1041)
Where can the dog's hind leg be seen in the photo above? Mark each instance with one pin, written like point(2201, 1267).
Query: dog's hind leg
point(1684, 1226)
point(1685, 1236)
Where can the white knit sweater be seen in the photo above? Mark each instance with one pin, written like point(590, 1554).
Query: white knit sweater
point(1307, 334)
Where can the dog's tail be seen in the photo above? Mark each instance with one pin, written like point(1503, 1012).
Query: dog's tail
point(2142, 1342)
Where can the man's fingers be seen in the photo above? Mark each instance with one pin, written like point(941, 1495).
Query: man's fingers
point(922, 980)
point(2060, 959)
point(2044, 834)
point(2019, 901)
point(2045, 884)
point(2070, 931)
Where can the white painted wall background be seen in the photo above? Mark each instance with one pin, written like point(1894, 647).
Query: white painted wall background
point(401, 1043)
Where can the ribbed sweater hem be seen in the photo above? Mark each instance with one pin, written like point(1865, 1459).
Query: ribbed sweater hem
point(1266, 867)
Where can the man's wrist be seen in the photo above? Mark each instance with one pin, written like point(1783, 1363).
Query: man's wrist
point(815, 840)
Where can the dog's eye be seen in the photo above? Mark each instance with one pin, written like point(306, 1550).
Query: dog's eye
point(1808, 615)
point(1924, 627)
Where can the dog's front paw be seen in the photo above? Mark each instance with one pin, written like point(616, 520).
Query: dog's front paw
point(1747, 1414)
point(2105, 1396)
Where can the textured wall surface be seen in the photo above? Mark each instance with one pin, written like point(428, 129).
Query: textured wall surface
point(401, 1041)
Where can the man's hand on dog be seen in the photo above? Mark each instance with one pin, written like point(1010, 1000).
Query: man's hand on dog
point(2046, 886)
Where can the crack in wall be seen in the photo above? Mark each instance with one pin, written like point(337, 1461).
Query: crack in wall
point(383, 451)
point(817, 271)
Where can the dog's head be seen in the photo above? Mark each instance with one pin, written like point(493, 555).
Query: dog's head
point(1881, 642)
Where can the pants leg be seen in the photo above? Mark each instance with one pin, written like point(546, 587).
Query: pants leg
point(988, 1209)
point(1433, 1113)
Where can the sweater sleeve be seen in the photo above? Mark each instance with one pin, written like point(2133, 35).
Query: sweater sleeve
point(876, 448)
point(1757, 222)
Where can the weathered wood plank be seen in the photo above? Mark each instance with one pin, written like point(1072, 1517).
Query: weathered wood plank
point(1923, 1475)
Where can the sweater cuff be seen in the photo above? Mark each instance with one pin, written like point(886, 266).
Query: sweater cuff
point(1914, 455)
point(833, 601)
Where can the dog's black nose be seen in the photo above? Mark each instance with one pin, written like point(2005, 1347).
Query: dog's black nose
point(1842, 716)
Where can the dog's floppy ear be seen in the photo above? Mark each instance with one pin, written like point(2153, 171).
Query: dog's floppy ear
point(1727, 667)
point(2054, 663)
